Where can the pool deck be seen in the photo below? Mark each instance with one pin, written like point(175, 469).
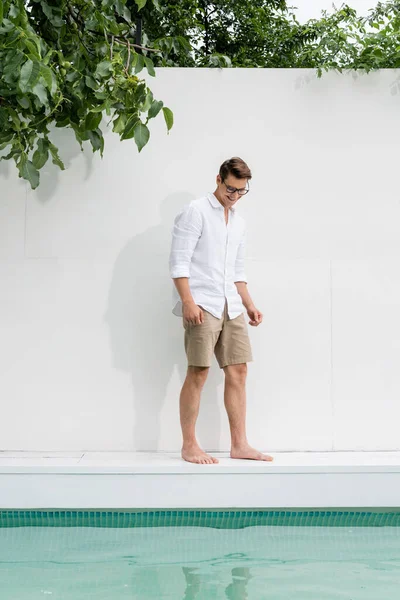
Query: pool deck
point(142, 480)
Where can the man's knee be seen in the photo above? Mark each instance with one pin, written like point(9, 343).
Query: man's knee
point(198, 375)
point(236, 373)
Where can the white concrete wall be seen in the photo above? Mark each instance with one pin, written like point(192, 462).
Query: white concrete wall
point(92, 358)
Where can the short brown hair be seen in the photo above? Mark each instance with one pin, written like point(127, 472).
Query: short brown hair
point(234, 166)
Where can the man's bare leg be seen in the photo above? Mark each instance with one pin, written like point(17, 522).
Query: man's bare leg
point(235, 404)
point(189, 404)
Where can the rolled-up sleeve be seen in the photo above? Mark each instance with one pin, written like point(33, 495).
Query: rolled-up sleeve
point(185, 235)
point(240, 274)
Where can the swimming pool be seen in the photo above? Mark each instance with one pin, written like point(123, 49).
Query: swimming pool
point(203, 554)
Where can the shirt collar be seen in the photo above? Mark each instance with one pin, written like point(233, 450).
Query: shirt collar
point(216, 204)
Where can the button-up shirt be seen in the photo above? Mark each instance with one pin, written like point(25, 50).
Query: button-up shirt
point(210, 252)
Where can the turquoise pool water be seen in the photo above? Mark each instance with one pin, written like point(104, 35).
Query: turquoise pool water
point(274, 555)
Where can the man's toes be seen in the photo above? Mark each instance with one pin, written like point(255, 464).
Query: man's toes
point(215, 460)
point(267, 457)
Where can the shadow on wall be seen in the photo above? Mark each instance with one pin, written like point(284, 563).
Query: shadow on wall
point(51, 177)
point(5, 168)
point(147, 339)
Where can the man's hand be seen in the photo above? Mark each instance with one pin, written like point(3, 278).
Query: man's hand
point(255, 315)
point(192, 313)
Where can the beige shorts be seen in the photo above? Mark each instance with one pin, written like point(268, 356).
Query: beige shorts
point(227, 338)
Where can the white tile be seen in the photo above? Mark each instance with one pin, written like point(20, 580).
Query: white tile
point(366, 354)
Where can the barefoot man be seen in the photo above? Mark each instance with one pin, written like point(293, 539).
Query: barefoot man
point(207, 266)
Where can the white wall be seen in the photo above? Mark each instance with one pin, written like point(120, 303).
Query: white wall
point(91, 356)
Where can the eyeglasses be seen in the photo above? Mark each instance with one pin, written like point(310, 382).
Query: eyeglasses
point(240, 191)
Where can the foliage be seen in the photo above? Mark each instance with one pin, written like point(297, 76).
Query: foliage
point(266, 33)
point(344, 41)
point(66, 64)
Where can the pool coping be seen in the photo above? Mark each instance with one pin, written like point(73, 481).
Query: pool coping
point(163, 480)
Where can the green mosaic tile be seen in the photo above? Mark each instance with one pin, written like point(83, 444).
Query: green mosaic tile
point(218, 519)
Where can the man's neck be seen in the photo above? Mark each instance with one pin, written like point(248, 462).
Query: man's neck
point(226, 208)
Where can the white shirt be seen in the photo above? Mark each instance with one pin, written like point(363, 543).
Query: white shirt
point(211, 254)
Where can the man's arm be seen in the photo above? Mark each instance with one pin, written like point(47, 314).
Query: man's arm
point(182, 285)
point(185, 235)
point(244, 294)
point(240, 274)
point(255, 315)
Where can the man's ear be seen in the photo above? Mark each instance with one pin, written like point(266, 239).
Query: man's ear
point(218, 178)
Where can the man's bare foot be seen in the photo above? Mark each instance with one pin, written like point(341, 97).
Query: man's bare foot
point(195, 454)
point(247, 451)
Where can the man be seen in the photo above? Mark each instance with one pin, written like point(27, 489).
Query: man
point(207, 266)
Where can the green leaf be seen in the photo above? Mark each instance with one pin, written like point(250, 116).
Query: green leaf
point(28, 171)
point(119, 123)
point(40, 91)
point(142, 135)
point(127, 15)
point(15, 118)
point(169, 117)
point(13, 12)
point(29, 75)
point(23, 101)
point(15, 151)
point(3, 119)
point(139, 63)
point(97, 141)
point(155, 108)
point(6, 137)
point(129, 130)
point(100, 107)
point(149, 66)
point(91, 82)
point(72, 76)
point(56, 159)
point(52, 13)
point(148, 101)
point(101, 95)
point(12, 63)
point(49, 79)
point(119, 6)
point(1, 12)
point(140, 3)
point(123, 10)
point(103, 69)
point(32, 48)
point(2, 146)
point(41, 155)
point(92, 120)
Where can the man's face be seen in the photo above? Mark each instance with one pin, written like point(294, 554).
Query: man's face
point(224, 192)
